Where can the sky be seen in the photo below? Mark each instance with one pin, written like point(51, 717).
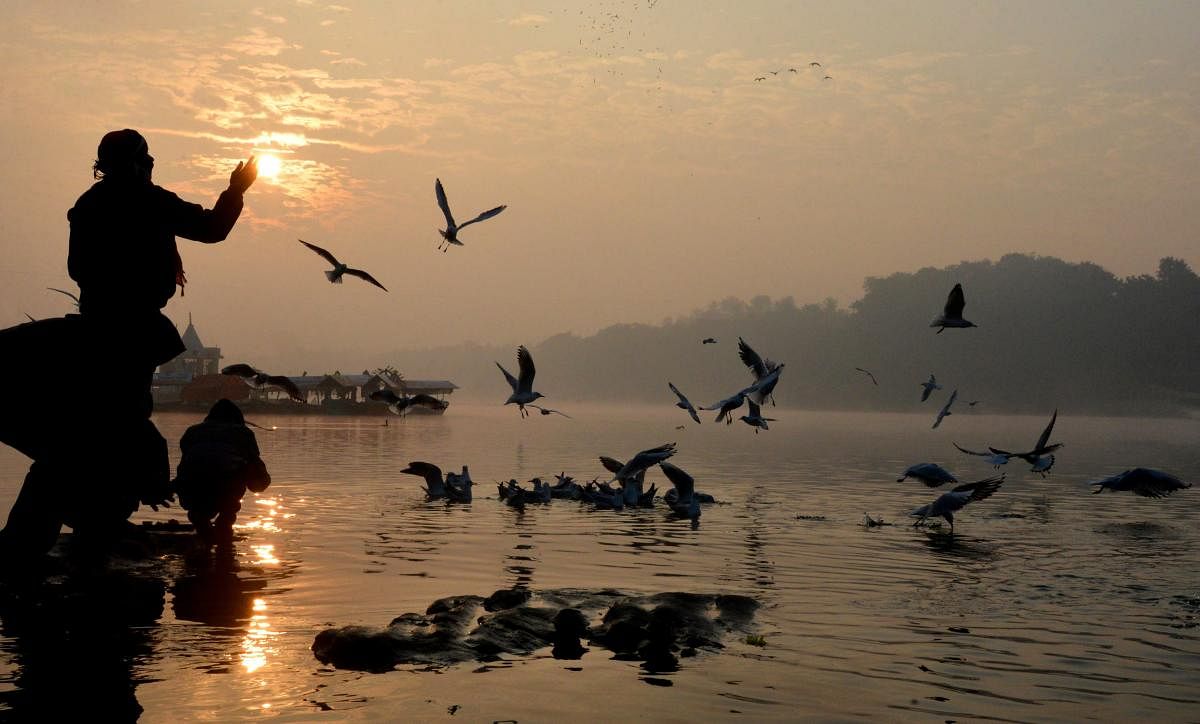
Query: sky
point(655, 155)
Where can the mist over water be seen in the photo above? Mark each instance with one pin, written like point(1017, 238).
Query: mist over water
point(1048, 604)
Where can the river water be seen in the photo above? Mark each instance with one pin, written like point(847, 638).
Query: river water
point(1047, 604)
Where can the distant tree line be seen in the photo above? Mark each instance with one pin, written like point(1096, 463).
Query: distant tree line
point(1051, 334)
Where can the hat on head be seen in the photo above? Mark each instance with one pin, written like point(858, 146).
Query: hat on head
point(119, 147)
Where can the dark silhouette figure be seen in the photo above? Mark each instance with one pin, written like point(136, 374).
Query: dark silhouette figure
point(93, 473)
point(220, 461)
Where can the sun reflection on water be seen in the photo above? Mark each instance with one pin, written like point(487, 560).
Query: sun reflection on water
point(256, 642)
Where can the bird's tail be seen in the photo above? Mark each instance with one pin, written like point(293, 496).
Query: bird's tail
point(333, 277)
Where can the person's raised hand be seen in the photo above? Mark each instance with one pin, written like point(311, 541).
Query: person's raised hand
point(243, 175)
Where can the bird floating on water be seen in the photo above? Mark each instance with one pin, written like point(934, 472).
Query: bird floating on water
point(949, 503)
point(945, 411)
point(951, 316)
point(684, 403)
point(522, 386)
point(455, 488)
point(259, 380)
point(339, 269)
point(1146, 482)
point(685, 503)
point(450, 233)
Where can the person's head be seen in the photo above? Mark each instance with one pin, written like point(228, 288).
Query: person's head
point(123, 155)
point(225, 411)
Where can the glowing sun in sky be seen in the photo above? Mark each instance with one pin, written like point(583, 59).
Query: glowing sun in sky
point(269, 166)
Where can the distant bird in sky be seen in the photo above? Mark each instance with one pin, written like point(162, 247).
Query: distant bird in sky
point(684, 403)
point(644, 459)
point(945, 409)
point(726, 406)
point(1039, 457)
point(522, 387)
point(685, 503)
point(766, 374)
point(973, 403)
point(948, 503)
point(814, 64)
point(399, 404)
point(929, 386)
point(709, 340)
point(73, 297)
point(259, 379)
point(335, 275)
point(548, 411)
point(1146, 482)
point(450, 233)
point(828, 77)
point(793, 70)
point(761, 77)
point(755, 418)
point(995, 459)
point(681, 427)
point(951, 316)
point(868, 374)
point(931, 474)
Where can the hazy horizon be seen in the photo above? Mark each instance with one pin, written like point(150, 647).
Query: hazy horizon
point(647, 173)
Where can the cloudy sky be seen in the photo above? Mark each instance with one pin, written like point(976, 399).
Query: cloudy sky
point(647, 168)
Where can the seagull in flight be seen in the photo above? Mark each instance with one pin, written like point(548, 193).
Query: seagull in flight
point(755, 418)
point(766, 374)
point(726, 406)
point(684, 403)
point(1146, 482)
point(522, 387)
point(259, 379)
point(951, 316)
point(709, 340)
point(399, 404)
point(929, 386)
point(995, 459)
point(931, 474)
point(450, 233)
point(814, 64)
point(548, 411)
point(868, 374)
point(945, 409)
point(339, 269)
point(456, 488)
point(638, 463)
point(948, 503)
point(1039, 457)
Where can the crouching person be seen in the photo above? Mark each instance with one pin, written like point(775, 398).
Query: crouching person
point(219, 462)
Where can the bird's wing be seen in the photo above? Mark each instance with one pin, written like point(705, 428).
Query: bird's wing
point(679, 394)
point(955, 302)
point(384, 395)
point(1045, 438)
point(684, 484)
point(926, 392)
point(969, 452)
point(239, 370)
point(442, 202)
point(610, 464)
point(511, 380)
point(998, 451)
point(953, 397)
point(979, 489)
point(425, 400)
point(429, 471)
point(285, 383)
point(63, 291)
point(482, 217)
point(324, 254)
point(755, 410)
point(527, 371)
point(692, 412)
point(751, 359)
point(365, 277)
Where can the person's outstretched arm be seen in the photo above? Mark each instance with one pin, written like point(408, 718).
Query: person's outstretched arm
point(193, 221)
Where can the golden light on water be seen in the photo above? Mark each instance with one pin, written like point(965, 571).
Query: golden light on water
point(255, 644)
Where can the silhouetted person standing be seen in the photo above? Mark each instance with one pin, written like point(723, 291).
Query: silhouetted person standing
point(124, 257)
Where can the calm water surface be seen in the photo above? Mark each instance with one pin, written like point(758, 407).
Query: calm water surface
point(1048, 604)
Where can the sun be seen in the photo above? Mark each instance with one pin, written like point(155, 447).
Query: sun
point(269, 166)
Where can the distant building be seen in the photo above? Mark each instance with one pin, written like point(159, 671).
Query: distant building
point(194, 361)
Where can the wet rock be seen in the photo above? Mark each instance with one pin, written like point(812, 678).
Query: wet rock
point(506, 598)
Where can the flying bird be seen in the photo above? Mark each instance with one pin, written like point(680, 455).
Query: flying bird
point(948, 503)
point(399, 403)
point(450, 233)
point(548, 411)
point(766, 374)
point(929, 386)
point(828, 77)
point(638, 463)
point(995, 459)
point(259, 379)
point(1146, 482)
point(952, 314)
point(709, 340)
point(522, 387)
point(456, 488)
point(814, 64)
point(931, 474)
point(761, 77)
point(339, 269)
point(684, 403)
point(868, 374)
point(726, 406)
point(945, 409)
point(755, 418)
point(1039, 457)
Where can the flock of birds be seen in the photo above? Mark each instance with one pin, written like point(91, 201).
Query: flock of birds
point(813, 64)
point(626, 487)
